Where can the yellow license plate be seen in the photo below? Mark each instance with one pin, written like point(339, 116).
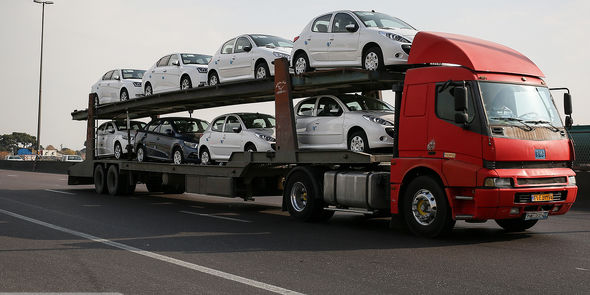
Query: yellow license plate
point(541, 197)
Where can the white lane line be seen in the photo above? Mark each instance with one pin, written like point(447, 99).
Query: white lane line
point(199, 268)
point(217, 216)
point(11, 175)
point(584, 269)
point(59, 192)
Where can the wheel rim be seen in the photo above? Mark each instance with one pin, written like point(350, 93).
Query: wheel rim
point(250, 149)
point(148, 90)
point(424, 207)
point(117, 151)
point(371, 61)
point(205, 157)
point(177, 157)
point(213, 80)
point(261, 73)
point(300, 65)
point(140, 155)
point(298, 197)
point(124, 96)
point(185, 84)
point(357, 144)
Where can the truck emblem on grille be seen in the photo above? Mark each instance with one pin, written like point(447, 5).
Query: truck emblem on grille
point(539, 154)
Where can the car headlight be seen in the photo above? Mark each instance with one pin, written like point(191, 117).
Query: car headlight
point(265, 137)
point(395, 37)
point(497, 182)
point(191, 144)
point(280, 54)
point(202, 70)
point(378, 120)
point(137, 84)
point(571, 180)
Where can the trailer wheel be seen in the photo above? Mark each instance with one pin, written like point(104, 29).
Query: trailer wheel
point(100, 184)
point(117, 184)
point(515, 225)
point(426, 209)
point(303, 198)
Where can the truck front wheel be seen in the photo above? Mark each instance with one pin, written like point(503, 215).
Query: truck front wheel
point(514, 225)
point(426, 209)
point(303, 199)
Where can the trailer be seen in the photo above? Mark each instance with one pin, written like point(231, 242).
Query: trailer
point(443, 167)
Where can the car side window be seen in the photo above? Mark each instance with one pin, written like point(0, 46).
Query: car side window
point(116, 75)
point(328, 107)
point(228, 47)
point(101, 127)
point(306, 107)
point(154, 127)
point(241, 43)
point(321, 24)
point(163, 61)
point(218, 124)
point(166, 125)
point(173, 58)
point(341, 20)
point(109, 128)
point(445, 104)
point(107, 75)
point(231, 123)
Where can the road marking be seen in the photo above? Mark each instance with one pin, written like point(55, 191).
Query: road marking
point(11, 175)
point(59, 192)
point(216, 216)
point(584, 269)
point(199, 268)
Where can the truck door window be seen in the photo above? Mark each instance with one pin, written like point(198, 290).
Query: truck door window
point(445, 104)
point(306, 108)
point(218, 124)
point(328, 107)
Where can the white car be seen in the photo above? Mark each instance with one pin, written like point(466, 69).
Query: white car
point(346, 38)
point(71, 158)
point(236, 132)
point(113, 138)
point(176, 71)
point(346, 121)
point(247, 57)
point(13, 158)
point(118, 85)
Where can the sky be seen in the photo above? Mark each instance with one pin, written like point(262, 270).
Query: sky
point(84, 39)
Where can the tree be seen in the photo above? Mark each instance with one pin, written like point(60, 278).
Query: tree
point(16, 140)
point(67, 151)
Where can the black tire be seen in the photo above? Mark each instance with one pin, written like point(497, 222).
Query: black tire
point(263, 68)
point(177, 152)
point(140, 154)
point(100, 184)
point(117, 151)
point(301, 57)
point(250, 147)
point(124, 95)
point(213, 79)
point(426, 195)
point(358, 142)
point(374, 52)
point(208, 161)
point(303, 198)
point(154, 187)
point(185, 83)
point(148, 89)
point(515, 225)
point(117, 184)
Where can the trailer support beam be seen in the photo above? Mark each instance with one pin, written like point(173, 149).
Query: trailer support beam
point(286, 141)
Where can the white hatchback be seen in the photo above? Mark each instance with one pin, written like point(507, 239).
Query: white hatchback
point(176, 71)
point(237, 132)
point(118, 85)
point(346, 121)
point(346, 38)
point(247, 57)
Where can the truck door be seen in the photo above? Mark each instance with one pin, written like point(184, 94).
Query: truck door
point(413, 126)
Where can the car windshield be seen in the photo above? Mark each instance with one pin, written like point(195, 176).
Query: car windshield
point(258, 120)
point(135, 125)
point(362, 103)
point(132, 74)
point(381, 20)
point(512, 104)
point(271, 41)
point(195, 59)
point(190, 126)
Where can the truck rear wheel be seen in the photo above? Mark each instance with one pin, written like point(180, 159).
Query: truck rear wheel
point(426, 209)
point(303, 198)
point(117, 184)
point(100, 184)
point(514, 225)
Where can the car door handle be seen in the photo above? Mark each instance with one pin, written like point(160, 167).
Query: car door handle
point(331, 39)
point(164, 71)
point(153, 71)
point(308, 39)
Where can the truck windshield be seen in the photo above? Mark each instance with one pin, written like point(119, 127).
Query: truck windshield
point(258, 121)
point(520, 105)
point(362, 103)
point(381, 20)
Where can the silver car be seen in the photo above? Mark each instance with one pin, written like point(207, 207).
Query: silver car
point(236, 133)
point(113, 138)
point(347, 121)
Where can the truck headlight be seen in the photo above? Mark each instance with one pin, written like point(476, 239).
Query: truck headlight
point(191, 144)
point(265, 137)
point(571, 180)
point(497, 182)
point(202, 70)
point(395, 37)
point(378, 120)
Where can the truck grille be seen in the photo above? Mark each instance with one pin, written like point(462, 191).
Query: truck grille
point(545, 180)
point(526, 197)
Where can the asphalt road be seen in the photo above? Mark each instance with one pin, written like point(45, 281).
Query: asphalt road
point(57, 238)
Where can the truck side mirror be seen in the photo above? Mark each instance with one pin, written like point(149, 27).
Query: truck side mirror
point(460, 94)
point(569, 121)
point(567, 103)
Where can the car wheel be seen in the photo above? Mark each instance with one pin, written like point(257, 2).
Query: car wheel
point(141, 156)
point(515, 225)
point(148, 89)
point(250, 148)
point(261, 71)
point(177, 156)
point(301, 64)
point(213, 79)
point(124, 95)
point(205, 157)
point(117, 150)
point(185, 83)
point(358, 142)
point(373, 59)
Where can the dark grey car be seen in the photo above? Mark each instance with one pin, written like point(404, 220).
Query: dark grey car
point(173, 139)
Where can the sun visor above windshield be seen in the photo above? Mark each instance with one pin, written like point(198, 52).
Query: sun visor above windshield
point(476, 54)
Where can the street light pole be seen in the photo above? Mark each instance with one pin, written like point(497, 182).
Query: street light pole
point(43, 2)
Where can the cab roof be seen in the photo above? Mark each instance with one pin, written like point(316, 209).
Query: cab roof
point(476, 54)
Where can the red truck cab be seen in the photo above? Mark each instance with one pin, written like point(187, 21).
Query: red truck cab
point(480, 138)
